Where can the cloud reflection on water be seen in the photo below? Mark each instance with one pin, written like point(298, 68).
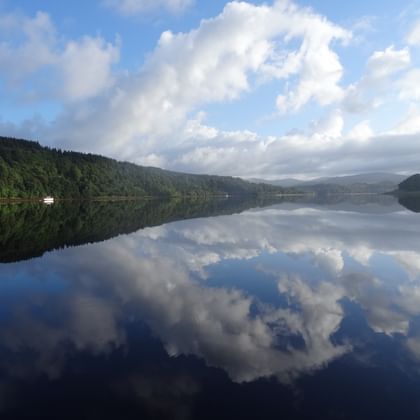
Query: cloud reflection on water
point(163, 275)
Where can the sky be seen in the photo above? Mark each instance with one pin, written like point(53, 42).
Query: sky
point(269, 89)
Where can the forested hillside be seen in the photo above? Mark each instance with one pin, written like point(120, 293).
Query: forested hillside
point(29, 229)
point(411, 184)
point(28, 169)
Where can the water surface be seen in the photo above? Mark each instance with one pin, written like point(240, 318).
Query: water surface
point(217, 309)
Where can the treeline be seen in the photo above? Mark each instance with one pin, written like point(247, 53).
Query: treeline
point(27, 230)
point(29, 170)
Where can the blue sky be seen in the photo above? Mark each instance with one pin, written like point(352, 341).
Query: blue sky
point(272, 89)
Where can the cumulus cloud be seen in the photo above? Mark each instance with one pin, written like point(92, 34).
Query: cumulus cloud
point(319, 67)
point(86, 67)
point(136, 7)
point(34, 52)
point(381, 67)
point(217, 62)
point(69, 71)
point(153, 116)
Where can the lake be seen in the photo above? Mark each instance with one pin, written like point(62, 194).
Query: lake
point(226, 309)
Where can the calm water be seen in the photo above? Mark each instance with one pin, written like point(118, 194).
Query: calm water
point(206, 310)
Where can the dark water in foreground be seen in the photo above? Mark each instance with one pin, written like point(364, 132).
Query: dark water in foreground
point(195, 311)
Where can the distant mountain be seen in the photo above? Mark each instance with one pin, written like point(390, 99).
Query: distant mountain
point(29, 170)
point(284, 182)
point(378, 182)
point(357, 188)
point(368, 178)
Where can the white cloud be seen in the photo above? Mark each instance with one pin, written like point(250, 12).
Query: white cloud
point(17, 61)
point(388, 62)
point(216, 62)
point(329, 127)
point(136, 7)
point(323, 149)
point(319, 67)
point(413, 37)
point(409, 85)
point(148, 116)
point(69, 71)
point(377, 83)
point(361, 131)
point(86, 67)
point(410, 123)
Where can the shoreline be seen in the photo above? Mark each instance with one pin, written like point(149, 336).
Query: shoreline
point(398, 193)
point(18, 200)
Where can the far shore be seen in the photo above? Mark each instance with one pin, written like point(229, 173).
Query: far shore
point(17, 200)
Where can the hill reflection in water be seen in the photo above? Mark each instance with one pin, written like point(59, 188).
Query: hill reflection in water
point(294, 309)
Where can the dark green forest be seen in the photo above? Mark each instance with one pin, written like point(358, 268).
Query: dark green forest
point(29, 170)
point(27, 230)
